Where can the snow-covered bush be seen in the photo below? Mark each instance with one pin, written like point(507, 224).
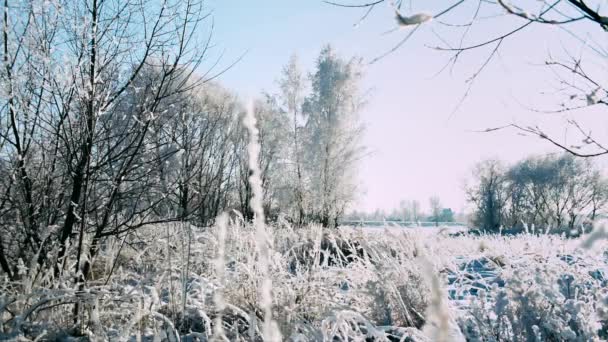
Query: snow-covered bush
point(547, 294)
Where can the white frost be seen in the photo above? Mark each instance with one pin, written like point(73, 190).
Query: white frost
point(414, 19)
point(594, 97)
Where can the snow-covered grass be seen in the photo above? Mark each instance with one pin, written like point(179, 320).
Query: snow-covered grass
point(391, 284)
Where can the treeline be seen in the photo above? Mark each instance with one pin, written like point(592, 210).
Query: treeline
point(410, 211)
point(106, 127)
point(555, 193)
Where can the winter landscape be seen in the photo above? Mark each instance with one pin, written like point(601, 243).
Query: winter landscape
point(189, 170)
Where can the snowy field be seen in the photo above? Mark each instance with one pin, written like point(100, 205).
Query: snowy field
point(375, 284)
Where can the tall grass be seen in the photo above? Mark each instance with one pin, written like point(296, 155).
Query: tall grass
point(270, 329)
point(339, 285)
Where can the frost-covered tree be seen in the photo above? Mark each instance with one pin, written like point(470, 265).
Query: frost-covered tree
point(547, 192)
point(293, 86)
point(332, 132)
point(82, 86)
point(196, 144)
point(435, 206)
point(554, 191)
point(488, 195)
point(599, 195)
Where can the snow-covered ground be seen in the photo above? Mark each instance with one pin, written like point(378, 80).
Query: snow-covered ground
point(354, 284)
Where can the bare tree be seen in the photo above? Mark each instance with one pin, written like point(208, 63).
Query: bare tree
point(405, 211)
point(273, 136)
point(488, 195)
point(435, 205)
point(599, 195)
point(550, 192)
point(415, 209)
point(93, 77)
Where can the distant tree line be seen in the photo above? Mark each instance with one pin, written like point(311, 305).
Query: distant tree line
point(559, 193)
point(410, 211)
point(106, 125)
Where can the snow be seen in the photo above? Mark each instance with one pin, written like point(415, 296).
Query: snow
point(427, 284)
point(415, 19)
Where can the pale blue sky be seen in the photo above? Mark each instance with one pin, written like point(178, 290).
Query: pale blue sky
point(418, 149)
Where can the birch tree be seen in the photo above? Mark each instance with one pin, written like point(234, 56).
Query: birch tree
point(332, 135)
point(292, 85)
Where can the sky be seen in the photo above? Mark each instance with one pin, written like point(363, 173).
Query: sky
point(422, 143)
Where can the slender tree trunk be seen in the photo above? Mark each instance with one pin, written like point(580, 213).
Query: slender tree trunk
point(3, 261)
point(325, 205)
point(299, 191)
point(26, 182)
point(80, 175)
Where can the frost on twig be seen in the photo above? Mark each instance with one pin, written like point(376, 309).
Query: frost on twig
point(594, 97)
point(414, 19)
